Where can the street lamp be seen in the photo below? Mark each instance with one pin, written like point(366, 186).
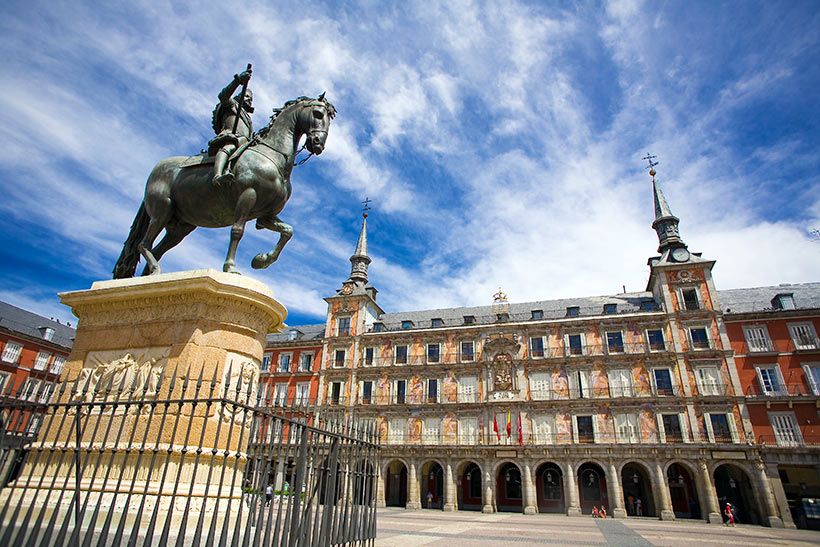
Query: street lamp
point(549, 477)
point(635, 478)
point(507, 476)
point(732, 483)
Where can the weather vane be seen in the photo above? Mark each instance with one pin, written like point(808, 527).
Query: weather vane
point(366, 206)
point(649, 159)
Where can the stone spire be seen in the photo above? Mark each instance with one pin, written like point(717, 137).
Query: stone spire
point(665, 224)
point(359, 261)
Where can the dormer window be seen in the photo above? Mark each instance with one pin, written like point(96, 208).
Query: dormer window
point(573, 311)
point(378, 327)
point(48, 333)
point(610, 308)
point(537, 315)
point(406, 324)
point(502, 317)
point(437, 322)
point(292, 334)
point(784, 301)
point(469, 319)
point(649, 305)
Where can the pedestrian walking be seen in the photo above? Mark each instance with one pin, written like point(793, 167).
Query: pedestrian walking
point(268, 495)
point(429, 499)
point(730, 515)
point(638, 507)
point(603, 512)
point(595, 511)
point(631, 503)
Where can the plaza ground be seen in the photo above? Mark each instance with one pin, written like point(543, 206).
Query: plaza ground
point(401, 528)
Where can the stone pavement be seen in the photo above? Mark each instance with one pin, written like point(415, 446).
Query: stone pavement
point(401, 528)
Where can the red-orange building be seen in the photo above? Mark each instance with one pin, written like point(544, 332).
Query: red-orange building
point(33, 350)
point(773, 333)
point(290, 367)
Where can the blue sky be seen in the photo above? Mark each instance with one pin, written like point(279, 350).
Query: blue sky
point(500, 142)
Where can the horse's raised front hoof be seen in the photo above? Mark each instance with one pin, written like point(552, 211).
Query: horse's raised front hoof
point(261, 261)
point(229, 268)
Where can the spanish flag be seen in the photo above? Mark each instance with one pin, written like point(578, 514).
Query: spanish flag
point(509, 424)
point(495, 427)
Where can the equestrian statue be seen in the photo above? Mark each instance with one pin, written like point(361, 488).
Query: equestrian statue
point(243, 176)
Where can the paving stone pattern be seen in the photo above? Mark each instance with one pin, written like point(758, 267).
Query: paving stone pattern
point(400, 528)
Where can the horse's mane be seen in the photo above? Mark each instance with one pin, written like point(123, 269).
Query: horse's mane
point(331, 110)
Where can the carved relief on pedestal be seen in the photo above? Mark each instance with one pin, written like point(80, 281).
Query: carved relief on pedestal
point(240, 381)
point(120, 375)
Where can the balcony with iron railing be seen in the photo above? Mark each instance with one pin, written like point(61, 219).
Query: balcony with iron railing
point(789, 440)
point(780, 391)
point(610, 392)
point(529, 439)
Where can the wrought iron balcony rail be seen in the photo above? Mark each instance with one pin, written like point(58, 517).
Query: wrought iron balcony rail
point(780, 390)
point(789, 440)
point(490, 438)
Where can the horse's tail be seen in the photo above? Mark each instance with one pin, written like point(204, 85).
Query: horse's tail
point(130, 255)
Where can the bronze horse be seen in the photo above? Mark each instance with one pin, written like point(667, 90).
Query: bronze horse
point(179, 195)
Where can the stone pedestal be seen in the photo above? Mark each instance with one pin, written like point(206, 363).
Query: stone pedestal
point(185, 346)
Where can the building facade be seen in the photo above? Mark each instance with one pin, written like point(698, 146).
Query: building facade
point(633, 402)
point(33, 350)
point(773, 332)
point(290, 367)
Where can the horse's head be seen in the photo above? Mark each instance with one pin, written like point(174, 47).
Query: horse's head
point(314, 121)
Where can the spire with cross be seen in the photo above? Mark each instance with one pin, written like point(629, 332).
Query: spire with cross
point(665, 224)
point(359, 261)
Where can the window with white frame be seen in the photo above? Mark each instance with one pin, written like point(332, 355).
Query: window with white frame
point(579, 384)
point(433, 352)
point(34, 424)
point(400, 391)
point(615, 341)
point(431, 433)
point(339, 357)
point(41, 360)
point(30, 389)
point(45, 394)
point(720, 427)
point(626, 428)
point(343, 328)
point(369, 356)
point(672, 428)
point(400, 354)
point(803, 335)
point(266, 360)
point(262, 393)
point(786, 431)
point(543, 428)
point(467, 354)
point(468, 389)
point(336, 389)
point(306, 361)
point(432, 390)
point(5, 383)
point(48, 333)
point(366, 396)
point(757, 338)
point(536, 347)
point(468, 431)
point(690, 298)
point(584, 428)
point(620, 383)
point(284, 362)
point(709, 380)
point(812, 372)
point(280, 394)
point(11, 352)
point(540, 386)
point(654, 338)
point(698, 338)
point(770, 380)
point(662, 384)
point(303, 393)
point(574, 343)
point(397, 428)
point(57, 364)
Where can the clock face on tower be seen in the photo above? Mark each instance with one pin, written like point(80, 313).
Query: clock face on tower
point(680, 254)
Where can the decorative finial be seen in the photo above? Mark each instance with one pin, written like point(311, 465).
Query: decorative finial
point(651, 165)
point(366, 203)
point(500, 296)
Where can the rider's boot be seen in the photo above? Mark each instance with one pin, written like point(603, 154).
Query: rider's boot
point(220, 162)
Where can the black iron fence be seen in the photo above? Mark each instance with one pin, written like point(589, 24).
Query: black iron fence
point(182, 460)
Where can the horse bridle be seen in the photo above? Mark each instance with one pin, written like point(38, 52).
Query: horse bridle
point(309, 135)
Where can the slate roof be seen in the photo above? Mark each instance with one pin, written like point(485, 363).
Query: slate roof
point(29, 324)
point(552, 309)
point(757, 299)
point(302, 333)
